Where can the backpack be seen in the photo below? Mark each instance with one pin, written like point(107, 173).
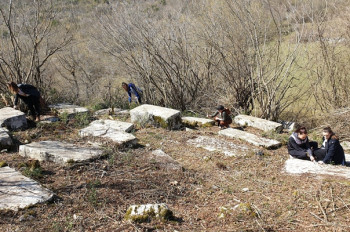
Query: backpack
point(227, 111)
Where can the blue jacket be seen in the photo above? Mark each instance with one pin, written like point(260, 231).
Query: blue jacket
point(132, 89)
point(335, 153)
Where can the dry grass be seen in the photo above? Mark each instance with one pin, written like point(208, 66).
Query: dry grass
point(95, 196)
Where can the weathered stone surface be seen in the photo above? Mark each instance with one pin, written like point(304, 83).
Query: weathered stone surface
point(165, 161)
point(250, 138)
point(69, 109)
point(12, 119)
point(201, 122)
point(220, 145)
point(48, 119)
point(110, 129)
point(345, 145)
point(108, 111)
point(262, 124)
point(18, 191)
point(298, 166)
point(59, 152)
point(156, 115)
point(5, 139)
point(290, 126)
point(143, 213)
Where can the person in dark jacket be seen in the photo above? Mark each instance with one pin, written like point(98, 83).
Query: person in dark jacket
point(29, 95)
point(331, 152)
point(222, 117)
point(299, 145)
point(131, 89)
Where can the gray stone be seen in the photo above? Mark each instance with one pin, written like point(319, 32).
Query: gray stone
point(143, 213)
point(47, 119)
point(156, 115)
point(12, 119)
point(115, 131)
point(290, 126)
point(5, 139)
point(117, 112)
point(18, 191)
point(164, 160)
point(262, 124)
point(220, 145)
point(345, 145)
point(71, 110)
point(250, 138)
point(59, 152)
point(298, 166)
point(201, 122)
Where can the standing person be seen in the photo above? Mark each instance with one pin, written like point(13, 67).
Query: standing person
point(132, 89)
point(29, 95)
point(299, 146)
point(331, 152)
point(224, 119)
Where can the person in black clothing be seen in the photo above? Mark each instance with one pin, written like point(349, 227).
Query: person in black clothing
point(299, 146)
point(331, 152)
point(29, 95)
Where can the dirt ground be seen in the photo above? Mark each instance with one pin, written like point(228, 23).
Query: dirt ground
point(212, 192)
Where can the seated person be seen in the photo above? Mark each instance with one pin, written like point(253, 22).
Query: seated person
point(222, 117)
point(299, 146)
point(331, 152)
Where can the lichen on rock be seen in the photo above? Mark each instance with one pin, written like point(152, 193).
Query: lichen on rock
point(144, 213)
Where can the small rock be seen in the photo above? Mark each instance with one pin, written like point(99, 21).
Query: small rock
point(245, 189)
point(144, 213)
point(174, 183)
point(206, 158)
point(188, 129)
point(26, 218)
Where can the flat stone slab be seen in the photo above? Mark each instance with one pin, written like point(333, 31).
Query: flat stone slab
point(5, 139)
point(108, 111)
point(69, 109)
point(250, 138)
point(12, 119)
point(59, 152)
point(156, 115)
point(201, 122)
point(298, 166)
point(110, 129)
point(164, 160)
point(262, 124)
point(143, 213)
point(220, 145)
point(18, 191)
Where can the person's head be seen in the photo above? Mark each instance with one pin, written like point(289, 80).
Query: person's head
point(327, 132)
point(13, 87)
point(302, 132)
point(125, 86)
point(220, 108)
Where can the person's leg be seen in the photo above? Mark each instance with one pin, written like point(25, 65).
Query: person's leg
point(36, 103)
point(319, 154)
point(30, 104)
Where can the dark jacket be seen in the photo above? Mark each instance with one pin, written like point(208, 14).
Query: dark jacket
point(334, 151)
point(224, 115)
point(27, 89)
point(299, 148)
point(132, 89)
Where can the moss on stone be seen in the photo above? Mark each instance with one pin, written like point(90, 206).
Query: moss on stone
point(3, 164)
point(161, 213)
point(161, 122)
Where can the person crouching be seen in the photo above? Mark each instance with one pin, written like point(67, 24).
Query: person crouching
point(222, 117)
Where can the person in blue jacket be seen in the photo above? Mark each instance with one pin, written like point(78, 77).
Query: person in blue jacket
point(131, 89)
point(331, 152)
point(29, 95)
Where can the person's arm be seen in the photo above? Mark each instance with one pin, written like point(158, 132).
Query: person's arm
point(213, 115)
point(332, 145)
point(16, 100)
point(308, 150)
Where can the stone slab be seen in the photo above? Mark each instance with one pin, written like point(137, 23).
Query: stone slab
point(201, 122)
point(214, 144)
point(12, 119)
point(18, 191)
point(5, 139)
point(117, 112)
point(156, 115)
point(164, 160)
point(250, 138)
point(69, 109)
point(59, 152)
point(298, 166)
point(259, 123)
point(115, 131)
point(143, 213)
